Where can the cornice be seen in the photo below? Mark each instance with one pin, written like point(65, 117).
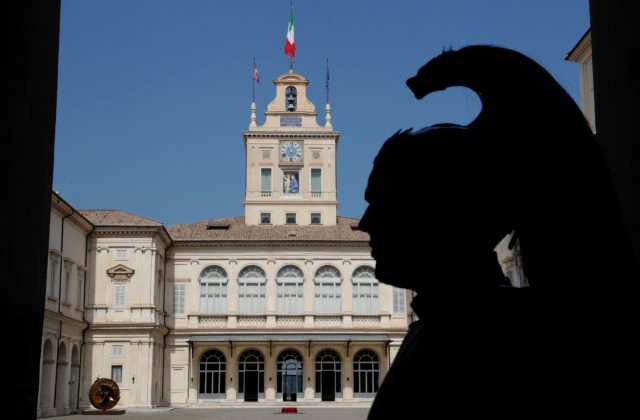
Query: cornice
point(103, 327)
point(581, 47)
point(69, 213)
point(133, 231)
point(269, 244)
point(64, 318)
point(291, 134)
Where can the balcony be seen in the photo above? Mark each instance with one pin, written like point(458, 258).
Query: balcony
point(277, 195)
point(323, 321)
point(251, 321)
point(287, 321)
point(212, 321)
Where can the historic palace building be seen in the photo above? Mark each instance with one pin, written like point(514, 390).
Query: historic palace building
point(280, 304)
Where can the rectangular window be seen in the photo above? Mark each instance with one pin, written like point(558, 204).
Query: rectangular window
point(213, 297)
point(122, 254)
point(118, 292)
point(399, 297)
point(365, 297)
point(80, 290)
point(53, 276)
point(316, 180)
point(117, 350)
point(265, 218)
point(178, 299)
point(116, 373)
point(290, 297)
point(265, 179)
point(67, 284)
point(291, 218)
point(316, 219)
point(328, 297)
point(251, 297)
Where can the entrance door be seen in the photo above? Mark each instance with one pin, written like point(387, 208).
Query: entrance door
point(328, 373)
point(290, 387)
point(328, 386)
point(251, 386)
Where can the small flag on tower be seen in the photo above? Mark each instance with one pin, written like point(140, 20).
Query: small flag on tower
point(256, 75)
point(290, 45)
point(327, 81)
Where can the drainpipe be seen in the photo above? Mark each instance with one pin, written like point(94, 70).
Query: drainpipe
point(84, 319)
point(55, 375)
point(164, 320)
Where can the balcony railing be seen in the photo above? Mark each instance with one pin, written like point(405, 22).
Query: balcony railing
point(302, 195)
point(223, 321)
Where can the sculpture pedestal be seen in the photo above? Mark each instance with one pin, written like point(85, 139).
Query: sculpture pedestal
point(103, 412)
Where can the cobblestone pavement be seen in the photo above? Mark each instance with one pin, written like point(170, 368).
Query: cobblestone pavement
point(233, 413)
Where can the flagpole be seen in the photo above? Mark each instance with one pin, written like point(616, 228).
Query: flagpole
point(327, 81)
point(253, 87)
point(291, 57)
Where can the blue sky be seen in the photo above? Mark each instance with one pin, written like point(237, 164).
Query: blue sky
point(153, 94)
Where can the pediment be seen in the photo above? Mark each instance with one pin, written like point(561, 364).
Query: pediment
point(120, 272)
point(291, 78)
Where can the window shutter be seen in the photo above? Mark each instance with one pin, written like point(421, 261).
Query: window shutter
point(316, 180)
point(265, 179)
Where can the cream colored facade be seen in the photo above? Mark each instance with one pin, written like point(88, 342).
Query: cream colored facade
point(264, 144)
point(581, 54)
point(64, 322)
point(228, 310)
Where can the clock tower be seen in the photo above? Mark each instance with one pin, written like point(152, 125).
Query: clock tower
point(291, 160)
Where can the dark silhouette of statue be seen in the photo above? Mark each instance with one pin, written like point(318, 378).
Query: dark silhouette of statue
point(528, 164)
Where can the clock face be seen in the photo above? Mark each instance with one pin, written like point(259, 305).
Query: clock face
point(290, 151)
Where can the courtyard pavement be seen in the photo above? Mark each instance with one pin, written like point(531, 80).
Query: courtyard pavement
point(235, 413)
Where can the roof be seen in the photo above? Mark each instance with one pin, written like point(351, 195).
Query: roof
point(235, 229)
point(578, 49)
point(117, 218)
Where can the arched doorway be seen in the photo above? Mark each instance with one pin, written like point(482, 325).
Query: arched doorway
point(62, 378)
point(74, 383)
point(366, 374)
point(328, 375)
point(213, 369)
point(251, 375)
point(290, 379)
point(48, 374)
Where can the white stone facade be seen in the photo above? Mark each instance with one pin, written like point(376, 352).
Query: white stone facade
point(581, 54)
point(64, 322)
point(226, 310)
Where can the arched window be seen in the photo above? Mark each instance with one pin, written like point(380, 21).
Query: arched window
point(213, 290)
point(365, 291)
point(291, 99)
point(328, 375)
point(327, 288)
point(213, 369)
point(290, 290)
point(290, 380)
point(366, 374)
point(251, 290)
point(251, 375)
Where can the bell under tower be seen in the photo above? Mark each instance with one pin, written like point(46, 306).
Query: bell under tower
point(291, 160)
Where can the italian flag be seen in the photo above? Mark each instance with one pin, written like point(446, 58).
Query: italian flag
point(290, 46)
